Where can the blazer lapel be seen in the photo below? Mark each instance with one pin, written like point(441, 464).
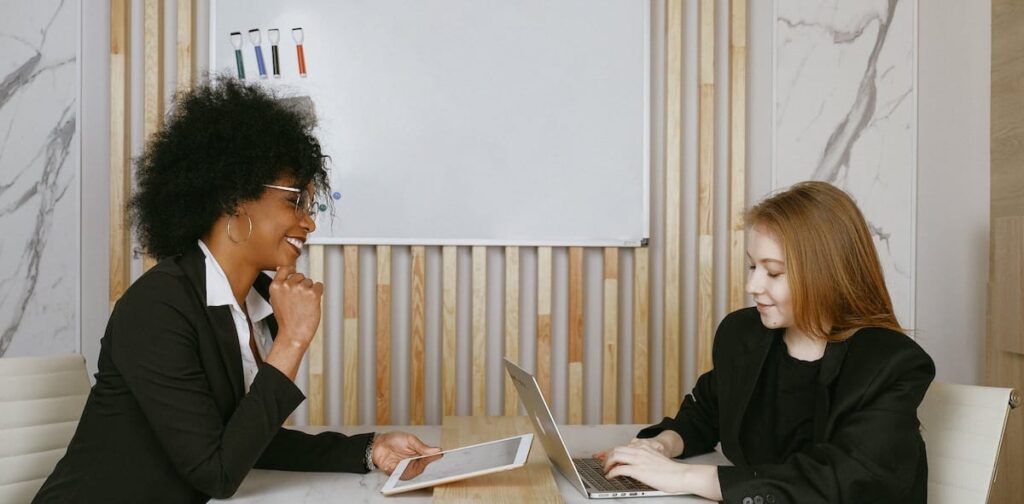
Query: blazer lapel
point(227, 340)
point(831, 363)
point(193, 263)
point(262, 286)
point(741, 376)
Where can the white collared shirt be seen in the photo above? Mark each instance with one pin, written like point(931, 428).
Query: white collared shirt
point(218, 293)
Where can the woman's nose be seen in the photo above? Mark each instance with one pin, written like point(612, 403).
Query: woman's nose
point(308, 223)
point(754, 285)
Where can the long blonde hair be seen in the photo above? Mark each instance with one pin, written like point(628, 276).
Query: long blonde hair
point(832, 267)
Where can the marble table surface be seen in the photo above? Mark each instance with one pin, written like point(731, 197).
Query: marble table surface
point(262, 486)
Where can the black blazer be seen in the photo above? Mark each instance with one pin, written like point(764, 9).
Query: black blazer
point(168, 419)
point(868, 447)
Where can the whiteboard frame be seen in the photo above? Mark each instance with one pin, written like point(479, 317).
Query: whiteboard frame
point(645, 177)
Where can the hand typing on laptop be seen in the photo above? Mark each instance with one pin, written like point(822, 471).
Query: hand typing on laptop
point(668, 443)
point(646, 462)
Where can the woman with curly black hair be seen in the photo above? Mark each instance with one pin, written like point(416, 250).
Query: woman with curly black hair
point(197, 364)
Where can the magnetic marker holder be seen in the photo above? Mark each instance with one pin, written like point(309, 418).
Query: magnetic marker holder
point(236, 42)
point(298, 37)
point(274, 36)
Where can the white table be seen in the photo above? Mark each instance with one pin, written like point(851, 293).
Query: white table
point(262, 486)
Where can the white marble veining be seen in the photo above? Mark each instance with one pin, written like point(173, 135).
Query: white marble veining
point(315, 488)
point(845, 112)
point(39, 177)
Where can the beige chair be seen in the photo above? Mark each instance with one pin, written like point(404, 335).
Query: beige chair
point(963, 427)
point(41, 400)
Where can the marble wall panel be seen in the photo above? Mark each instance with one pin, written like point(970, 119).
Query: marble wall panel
point(39, 177)
point(845, 112)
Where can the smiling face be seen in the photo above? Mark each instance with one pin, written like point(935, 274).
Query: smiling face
point(278, 230)
point(767, 281)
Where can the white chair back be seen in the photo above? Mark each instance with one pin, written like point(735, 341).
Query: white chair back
point(41, 400)
point(963, 427)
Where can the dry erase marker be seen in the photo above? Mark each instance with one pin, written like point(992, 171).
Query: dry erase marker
point(274, 36)
point(297, 37)
point(236, 42)
point(256, 39)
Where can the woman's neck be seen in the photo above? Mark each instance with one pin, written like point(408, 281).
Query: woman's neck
point(240, 275)
point(803, 346)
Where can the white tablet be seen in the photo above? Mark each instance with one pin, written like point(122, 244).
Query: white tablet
point(459, 464)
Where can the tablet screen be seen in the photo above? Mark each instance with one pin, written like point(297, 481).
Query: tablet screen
point(458, 462)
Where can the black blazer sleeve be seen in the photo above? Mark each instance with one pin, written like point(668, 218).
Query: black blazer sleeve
point(697, 419)
point(156, 350)
point(872, 456)
point(291, 450)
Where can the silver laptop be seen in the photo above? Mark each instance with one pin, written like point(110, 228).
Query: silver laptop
point(586, 474)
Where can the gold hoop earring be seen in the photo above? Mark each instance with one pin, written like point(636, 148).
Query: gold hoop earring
point(236, 242)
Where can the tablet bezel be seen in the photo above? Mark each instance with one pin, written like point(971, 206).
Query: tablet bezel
point(522, 452)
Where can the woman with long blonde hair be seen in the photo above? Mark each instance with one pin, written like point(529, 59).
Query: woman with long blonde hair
point(814, 391)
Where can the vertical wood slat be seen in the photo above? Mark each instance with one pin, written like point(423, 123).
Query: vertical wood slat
point(418, 334)
point(186, 59)
point(610, 380)
point(737, 150)
point(1005, 286)
point(315, 353)
point(705, 187)
point(383, 416)
point(673, 186)
point(449, 286)
point(575, 335)
point(152, 77)
point(120, 174)
point(544, 320)
point(511, 324)
point(479, 338)
point(350, 338)
point(641, 335)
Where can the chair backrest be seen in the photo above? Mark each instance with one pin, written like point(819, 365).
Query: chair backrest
point(41, 400)
point(962, 426)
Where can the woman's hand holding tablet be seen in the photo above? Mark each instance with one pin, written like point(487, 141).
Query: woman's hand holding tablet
point(459, 464)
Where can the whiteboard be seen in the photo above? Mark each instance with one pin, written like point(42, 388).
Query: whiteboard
point(467, 122)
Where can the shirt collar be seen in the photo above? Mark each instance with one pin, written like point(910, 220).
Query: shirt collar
point(218, 290)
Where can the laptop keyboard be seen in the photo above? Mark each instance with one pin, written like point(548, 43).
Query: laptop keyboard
point(593, 475)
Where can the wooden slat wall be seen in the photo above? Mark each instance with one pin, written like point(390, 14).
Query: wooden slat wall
point(120, 128)
point(610, 350)
point(315, 354)
point(671, 354)
point(544, 320)
point(350, 337)
point(449, 335)
point(479, 337)
point(418, 333)
point(633, 265)
point(186, 60)
point(383, 369)
point(705, 187)
point(641, 335)
point(511, 323)
point(152, 77)
point(575, 335)
point(737, 150)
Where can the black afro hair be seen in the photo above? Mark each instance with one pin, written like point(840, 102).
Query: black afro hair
point(222, 140)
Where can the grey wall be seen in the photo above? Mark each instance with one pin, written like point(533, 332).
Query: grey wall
point(95, 217)
point(954, 77)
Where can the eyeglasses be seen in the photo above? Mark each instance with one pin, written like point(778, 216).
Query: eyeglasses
point(304, 205)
